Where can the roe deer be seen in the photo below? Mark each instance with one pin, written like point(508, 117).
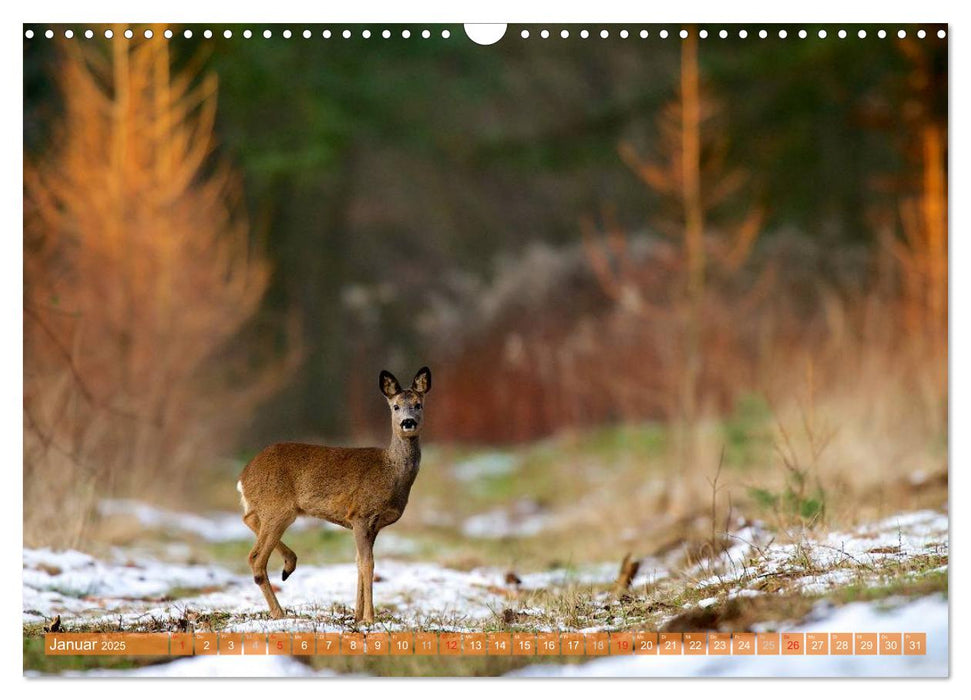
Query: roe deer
point(361, 488)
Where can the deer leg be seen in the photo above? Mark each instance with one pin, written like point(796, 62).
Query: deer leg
point(364, 536)
point(289, 559)
point(252, 521)
point(359, 606)
point(369, 579)
point(271, 529)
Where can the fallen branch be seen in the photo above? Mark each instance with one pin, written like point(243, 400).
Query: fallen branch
point(628, 570)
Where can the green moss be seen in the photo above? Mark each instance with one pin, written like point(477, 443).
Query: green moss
point(639, 441)
point(747, 432)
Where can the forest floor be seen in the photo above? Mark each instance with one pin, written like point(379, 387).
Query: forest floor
point(512, 555)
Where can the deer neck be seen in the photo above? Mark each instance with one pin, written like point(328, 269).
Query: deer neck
point(405, 453)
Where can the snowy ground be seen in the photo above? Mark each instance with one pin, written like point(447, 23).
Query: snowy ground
point(928, 615)
point(817, 564)
point(130, 590)
point(133, 591)
point(128, 593)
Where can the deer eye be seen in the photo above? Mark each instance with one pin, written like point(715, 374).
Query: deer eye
point(396, 407)
point(418, 406)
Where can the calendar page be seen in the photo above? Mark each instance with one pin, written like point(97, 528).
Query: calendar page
point(549, 349)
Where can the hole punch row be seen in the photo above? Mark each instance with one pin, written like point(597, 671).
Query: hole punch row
point(487, 37)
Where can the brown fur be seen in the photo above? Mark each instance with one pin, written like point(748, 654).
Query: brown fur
point(362, 489)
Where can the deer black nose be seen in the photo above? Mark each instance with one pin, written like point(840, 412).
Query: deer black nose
point(409, 424)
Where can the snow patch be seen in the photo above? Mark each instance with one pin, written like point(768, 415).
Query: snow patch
point(821, 563)
point(212, 527)
point(76, 585)
point(71, 582)
point(485, 465)
point(525, 519)
point(130, 589)
point(928, 615)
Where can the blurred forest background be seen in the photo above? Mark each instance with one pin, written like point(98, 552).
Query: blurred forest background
point(225, 240)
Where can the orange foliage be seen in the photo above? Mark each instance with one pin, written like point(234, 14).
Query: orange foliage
point(137, 268)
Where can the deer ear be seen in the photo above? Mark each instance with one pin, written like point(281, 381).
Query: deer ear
point(389, 385)
point(423, 381)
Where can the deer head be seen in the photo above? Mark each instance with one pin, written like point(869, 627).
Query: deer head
point(406, 405)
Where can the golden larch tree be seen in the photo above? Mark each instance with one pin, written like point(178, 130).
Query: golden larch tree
point(138, 266)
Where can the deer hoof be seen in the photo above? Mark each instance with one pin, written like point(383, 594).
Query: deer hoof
point(286, 574)
point(277, 614)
